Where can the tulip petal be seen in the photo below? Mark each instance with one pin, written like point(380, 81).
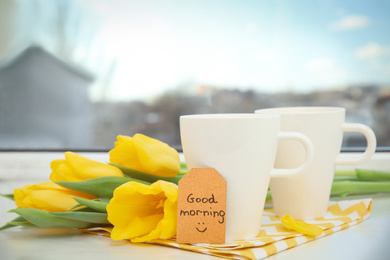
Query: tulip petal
point(52, 200)
point(125, 154)
point(62, 172)
point(137, 227)
point(46, 196)
point(142, 213)
point(146, 154)
point(166, 228)
point(169, 222)
point(157, 157)
point(122, 139)
point(86, 168)
point(56, 163)
point(131, 200)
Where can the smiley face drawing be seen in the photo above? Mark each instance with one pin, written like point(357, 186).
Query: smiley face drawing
point(201, 227)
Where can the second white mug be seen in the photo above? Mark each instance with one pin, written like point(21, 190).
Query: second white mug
point(306, 196)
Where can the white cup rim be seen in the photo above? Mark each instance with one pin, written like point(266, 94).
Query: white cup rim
point(302, 110)
point(230, 116)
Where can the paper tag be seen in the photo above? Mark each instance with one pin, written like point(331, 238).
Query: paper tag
point(201, 214)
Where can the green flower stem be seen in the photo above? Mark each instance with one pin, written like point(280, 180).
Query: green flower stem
point(183, 166)
point(341, 179)
point(355, 182)
point(371, 175)
point(182, 171)
point(343, 188)
point(358, 187)
point(269, 195)
point(345, 173)
point(363, 174)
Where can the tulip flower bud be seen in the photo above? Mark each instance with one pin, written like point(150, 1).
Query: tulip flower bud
point(78, 168)
point(146, 155)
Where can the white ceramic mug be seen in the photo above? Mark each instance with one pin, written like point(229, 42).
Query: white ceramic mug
point(307, 196)
point(242, 148)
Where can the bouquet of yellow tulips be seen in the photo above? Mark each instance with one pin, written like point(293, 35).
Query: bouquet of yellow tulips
point(134, 195)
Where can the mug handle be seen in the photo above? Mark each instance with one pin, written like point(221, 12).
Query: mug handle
point(371, 144)
point(308, 145)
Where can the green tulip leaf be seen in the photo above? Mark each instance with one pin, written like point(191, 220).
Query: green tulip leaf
point(18, 221)
point(96, 204)
point(77, 207)
point(21, 224)
point(145, 176)
point(102, 187)
point(9, 196)
point(81, 208)
point(42, 218)
point(91, 217)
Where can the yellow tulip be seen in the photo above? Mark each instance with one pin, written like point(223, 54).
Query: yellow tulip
point(78, 168)
point(142, 213)
point(146, 154)
point(46, 196)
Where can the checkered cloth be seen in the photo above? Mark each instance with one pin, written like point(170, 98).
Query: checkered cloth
point(274, 237)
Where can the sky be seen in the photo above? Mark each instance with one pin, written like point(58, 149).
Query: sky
point(266, 45)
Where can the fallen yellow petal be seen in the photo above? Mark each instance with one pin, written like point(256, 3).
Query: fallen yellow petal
point(301, 226)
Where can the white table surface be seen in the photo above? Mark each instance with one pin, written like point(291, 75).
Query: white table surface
point(367, 240)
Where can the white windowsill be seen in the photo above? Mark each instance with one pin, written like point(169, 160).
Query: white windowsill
point(36, 165)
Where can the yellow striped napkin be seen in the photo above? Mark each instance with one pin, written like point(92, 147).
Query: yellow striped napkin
point(274, 237)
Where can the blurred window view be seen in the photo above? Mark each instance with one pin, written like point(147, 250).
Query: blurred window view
point(75, 74)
